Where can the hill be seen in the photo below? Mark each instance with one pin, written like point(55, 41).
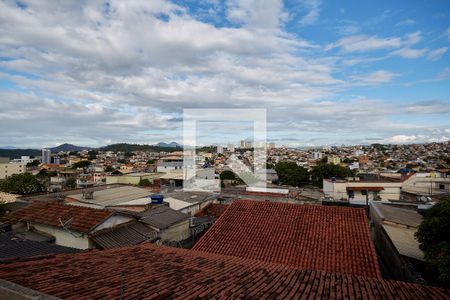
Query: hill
point(67, 147)
point(124, 147)
point(168, 145)
point(17, 153)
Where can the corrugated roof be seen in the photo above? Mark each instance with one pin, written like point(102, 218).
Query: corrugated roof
point(77, 218)
point(14, 246)
point(397, 215)
point(404, 241)
point(148, 271)
point(162, 217)
point(190, 196)
point(325, 238)
point(123, 235)
point(115, 195)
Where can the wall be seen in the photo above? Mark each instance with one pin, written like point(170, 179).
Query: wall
point(66, 238)
point(113, 221)
point(8, 169)
point(124, 179)
point(398, 266)
point(178, 232)
point(338, 189)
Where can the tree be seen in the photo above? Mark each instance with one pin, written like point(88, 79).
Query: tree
point(34, 163)
point(227, 175)
point(81, 164)
point(151, 161)
point(325, 170)
point(290, 173)
point(22, 184)
point(92, 154)
point(144, 182)
point(71, 182)
point(109, 169)
point(434, 238)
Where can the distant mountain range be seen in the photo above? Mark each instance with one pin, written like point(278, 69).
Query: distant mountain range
point(124, 147)
point(12, 152)
point(168, 145)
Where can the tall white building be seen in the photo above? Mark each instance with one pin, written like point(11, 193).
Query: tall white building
point(46, 156)
point(220, 149)
point(230, 147)
point(317, 155)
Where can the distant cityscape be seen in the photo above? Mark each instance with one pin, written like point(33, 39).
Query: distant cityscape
point(224, 149)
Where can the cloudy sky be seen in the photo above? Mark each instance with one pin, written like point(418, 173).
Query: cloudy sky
point(328, 72)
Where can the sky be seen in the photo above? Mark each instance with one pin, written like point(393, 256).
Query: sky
point(94, 73)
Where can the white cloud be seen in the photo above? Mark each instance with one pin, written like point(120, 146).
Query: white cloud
point(444, 74)
point(413, 38)
point(267, 14)
point(406, 22)
point(374, 78)
point(429, 107)
point(437, 53)
point(124, 73)
point(363, 43)
point(312, 7)
point(409, 139)
point(410, 53)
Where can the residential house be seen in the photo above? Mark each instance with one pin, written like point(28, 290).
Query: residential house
point(331, 239)
point(170, 224)
point(69, 225)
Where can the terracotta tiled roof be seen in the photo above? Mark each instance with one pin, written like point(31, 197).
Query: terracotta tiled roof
point(149, 271)
point(335, 239)
point(83, 219)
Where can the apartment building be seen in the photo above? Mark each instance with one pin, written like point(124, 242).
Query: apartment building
point(8, 168)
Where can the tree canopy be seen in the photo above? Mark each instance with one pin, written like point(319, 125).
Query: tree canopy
point(434, 238)
point(227, 175)
point(81, 164)
point(290, 173)
point(22, 184)
point(144, 182)
point(325, 170)
point(71, 182)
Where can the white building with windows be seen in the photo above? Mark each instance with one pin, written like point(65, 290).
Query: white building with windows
point(46, 156)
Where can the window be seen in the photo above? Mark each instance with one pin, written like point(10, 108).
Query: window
point(364, 192)
point(441, 187)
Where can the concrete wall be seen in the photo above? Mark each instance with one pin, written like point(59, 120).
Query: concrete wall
point(113, 221)
point(398, 266)
point(73, 239)
point(338, 189)
point(178, 232)
point(8, 169)
point(126, 179)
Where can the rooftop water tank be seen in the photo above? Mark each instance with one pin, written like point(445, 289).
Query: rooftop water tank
point(157, 199)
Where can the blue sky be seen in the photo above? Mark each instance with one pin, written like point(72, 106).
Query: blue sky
point(328, 72)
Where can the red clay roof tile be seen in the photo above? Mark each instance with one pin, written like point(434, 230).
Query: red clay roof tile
point(148, 271)
point(334, 239)
point(54, 214)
